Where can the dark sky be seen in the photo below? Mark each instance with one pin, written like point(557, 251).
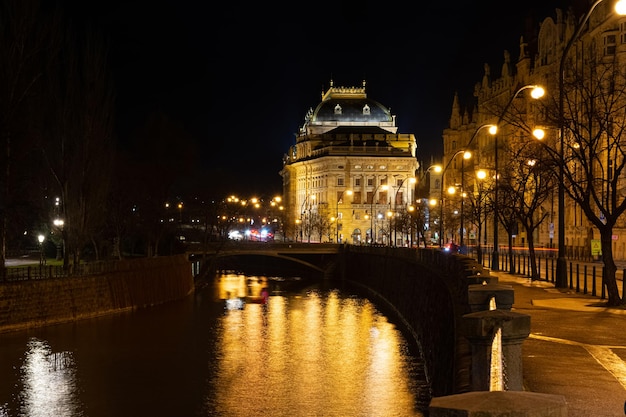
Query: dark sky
point(240, 76)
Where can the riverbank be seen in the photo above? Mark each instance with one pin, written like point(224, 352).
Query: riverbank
point(130, 285)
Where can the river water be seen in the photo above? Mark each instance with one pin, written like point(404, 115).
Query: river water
point(306, 349)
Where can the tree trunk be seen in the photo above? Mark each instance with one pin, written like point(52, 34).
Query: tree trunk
point(608, 272)
point(534, 272)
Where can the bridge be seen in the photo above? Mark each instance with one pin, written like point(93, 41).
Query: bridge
point(317, 259)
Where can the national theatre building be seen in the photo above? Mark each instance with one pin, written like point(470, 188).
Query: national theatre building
point(350, 176)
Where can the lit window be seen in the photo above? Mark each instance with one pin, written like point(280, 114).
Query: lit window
point(366, 110)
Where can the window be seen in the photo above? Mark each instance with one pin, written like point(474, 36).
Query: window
point(370, 182)
point(340, 181)
point(356, 197)
point(337, 109)
point(609, 45)
point(366, 110)
point(357, 182)
point(382, 197)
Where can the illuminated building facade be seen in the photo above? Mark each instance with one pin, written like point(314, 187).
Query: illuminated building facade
point(349, 177)
point(601, 45)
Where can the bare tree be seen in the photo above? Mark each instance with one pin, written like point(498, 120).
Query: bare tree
point(78, 141)
point(593, 156)
point(25, 42)
point(479, 208)
point(526, 186)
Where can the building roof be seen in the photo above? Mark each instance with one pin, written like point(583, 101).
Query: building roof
point(348, 106)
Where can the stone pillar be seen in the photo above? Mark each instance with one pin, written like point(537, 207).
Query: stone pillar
point(479, 328)
point(479, 295)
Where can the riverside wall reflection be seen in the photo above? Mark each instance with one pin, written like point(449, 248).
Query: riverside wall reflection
point(307, 348)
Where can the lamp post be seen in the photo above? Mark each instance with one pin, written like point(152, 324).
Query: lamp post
point(384, 187)
point(537, 92)
point(412, 180)
point(480, 175)
point(308, 218)
point(42, 258)
point(466, 155)
point(348, 192)
point(299, 228)
point(432, 202)
point(58, 223)
point(492, 129)
point(443, 172)
point(561, 266)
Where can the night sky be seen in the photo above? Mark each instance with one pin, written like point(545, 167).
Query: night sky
point(240, 76)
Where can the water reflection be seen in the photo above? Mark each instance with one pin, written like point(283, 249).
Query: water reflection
point(49, 382)
point(309, 348)
point(311, 353)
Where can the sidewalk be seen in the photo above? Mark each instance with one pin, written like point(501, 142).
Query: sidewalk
point(577, 347)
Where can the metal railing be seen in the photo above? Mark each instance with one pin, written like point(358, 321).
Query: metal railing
point(36, 272)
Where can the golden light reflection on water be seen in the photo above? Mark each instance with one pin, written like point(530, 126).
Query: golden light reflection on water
point(313, 354)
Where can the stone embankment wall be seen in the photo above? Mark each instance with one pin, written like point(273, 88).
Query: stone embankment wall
point(429, 291)
point(132, 284)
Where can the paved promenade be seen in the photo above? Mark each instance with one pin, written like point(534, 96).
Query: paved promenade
point(577, 347)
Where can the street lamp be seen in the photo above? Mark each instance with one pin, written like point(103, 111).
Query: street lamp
point(536, 93)
point(58, 223)
point(466, 155)
point(443, 172)
point(42, 259)
point(298, 227)
point(308, 218)
point(481, 174)
point(384, 187)
point(348, 192)
point(561, 266)
point(412, 180)
point(432, 201)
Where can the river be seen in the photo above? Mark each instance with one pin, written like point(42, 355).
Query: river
point(308, 348)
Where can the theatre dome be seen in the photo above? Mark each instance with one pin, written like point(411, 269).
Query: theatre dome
point(348, 107)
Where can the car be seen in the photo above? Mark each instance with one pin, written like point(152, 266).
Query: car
point(451, 247)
